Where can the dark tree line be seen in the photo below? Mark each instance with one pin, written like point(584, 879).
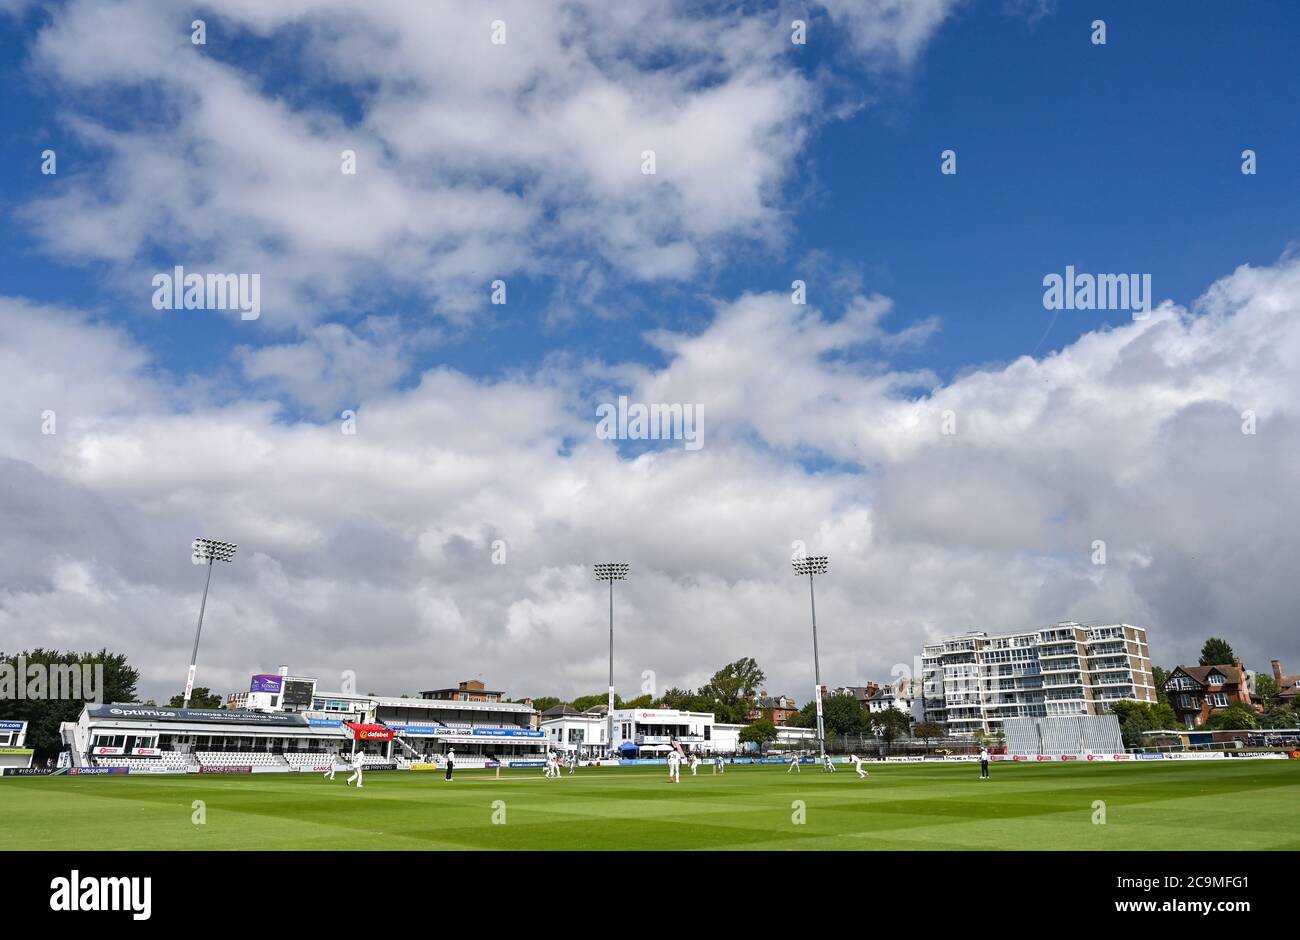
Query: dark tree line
point(44, 714)
point(728, 695)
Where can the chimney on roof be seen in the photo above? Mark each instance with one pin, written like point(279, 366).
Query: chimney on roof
point(1277, 672)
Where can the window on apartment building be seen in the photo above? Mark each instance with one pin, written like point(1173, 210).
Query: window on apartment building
point(1219, 699)
point(1216, 680)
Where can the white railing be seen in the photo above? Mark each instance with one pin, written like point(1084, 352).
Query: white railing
point(239, 759)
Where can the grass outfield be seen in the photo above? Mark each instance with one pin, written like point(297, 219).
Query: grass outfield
point(1224, 804)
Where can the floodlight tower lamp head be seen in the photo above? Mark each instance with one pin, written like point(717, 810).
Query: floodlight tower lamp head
point(211, 550)
point(813, 564)
point(611, 572)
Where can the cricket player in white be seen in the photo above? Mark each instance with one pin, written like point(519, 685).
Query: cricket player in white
point(358, 759)
point(334, 765)
point(827, 763)
point(695, 762)
point(718, 767)
point(794, 764)
point(573, 762)
point(674, 767)
point(550, 764)
point(857, 763)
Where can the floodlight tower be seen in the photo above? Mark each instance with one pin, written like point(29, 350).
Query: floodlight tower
point(611, 573)
point(209, 551)
point(814, 565)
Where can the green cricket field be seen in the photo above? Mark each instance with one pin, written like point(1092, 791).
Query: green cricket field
point(1228, 804)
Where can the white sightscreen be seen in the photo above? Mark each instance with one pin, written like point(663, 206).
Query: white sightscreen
point(1076, 734)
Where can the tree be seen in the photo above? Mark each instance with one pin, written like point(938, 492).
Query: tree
point(927, 730)
point(841, 715)
point(1233, 717)
point(1138, 717)
point(675, 698)
point(44, 715)
point(1132, 722)
point(545, 703)
point(1163, 717)
point(728, 695)
point(587, 702)
point(1265, 690)
point(1217, 652)
point(889, 725)
point(740, 679)
point(201, 697)
point(761, 732)
point(731, 689)
point(1160, 676)
point(1279, 716)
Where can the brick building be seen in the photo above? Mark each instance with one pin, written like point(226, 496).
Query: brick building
point(1195, 693)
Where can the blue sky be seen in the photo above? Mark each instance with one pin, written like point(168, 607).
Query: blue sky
point(1109, 158)
point(956, 448)
point(1123, 157)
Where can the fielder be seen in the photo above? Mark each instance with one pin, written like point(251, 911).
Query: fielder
point(358, 760)
point(695, 763)
point(827, 763)
point(857, 764)
point(718, 766)
point(674, 767)
point(794, 764)
point(334, 764)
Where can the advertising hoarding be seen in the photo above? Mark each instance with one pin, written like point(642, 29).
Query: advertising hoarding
point(266, 683)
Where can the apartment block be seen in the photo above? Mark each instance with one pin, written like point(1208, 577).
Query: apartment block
point(971, 682)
